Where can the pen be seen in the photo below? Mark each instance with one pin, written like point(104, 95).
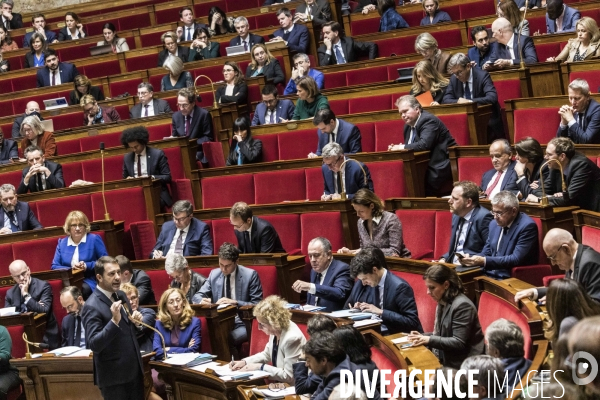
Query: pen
point(232, 360)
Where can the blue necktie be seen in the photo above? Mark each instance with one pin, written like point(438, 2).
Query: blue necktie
point(239, 153)
point(339, 55)
point(14, 226)
point(189, 34)
point(467, 91)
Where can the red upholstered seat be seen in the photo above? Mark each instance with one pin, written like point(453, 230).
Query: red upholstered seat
point(114, 202)
point(144, 238)
point(453, 11)
point(367, 136)
point(59, 312)
point(238, 5)
point(139, 21)
point(38, 254)
point(446, 39)
point(23, 83)
point(536, 23)
point(384, 363)
point(592, 77)
point(545, 50)
point(89, 143)
point(473, 168)
point(314, 183)
point(590, 236)
point(158, 132)
point(128, 85)
point(18, 345)
point(492, 308)
point(258, 340)
point(533, 274)
point(388, 179)
point(113, 169)
point(6, 107)
point(222, 231)
point(72, 146)
point(72, 172)
point(6, 257)
point(414, 18)
point(100, 70)
point(418, 228)
point(360, 27)
point(288, 229)
point(469, 10)
point(160, 280)
point(266, 20)
point(372, 103)
point(443, 232)
point(268, 278)
point(358, 76)
point(52, 212)
point(336, 80)
point(548, 279)
point(324, 224)
point(388, 132)
point(508, 89)
point(297, 144)
point(204, 8)
point(13, 177)
point(339, 107)
point(278, 186)
point(66, 121)
point(155, 81)
point(224, 191)
point(205, 345)
point(270, 147)
point(458, 125)
point(140, 63)
point(425, 304)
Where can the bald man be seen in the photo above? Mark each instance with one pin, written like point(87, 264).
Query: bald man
point(32, 108)
point(506, 54)
point(580, 262)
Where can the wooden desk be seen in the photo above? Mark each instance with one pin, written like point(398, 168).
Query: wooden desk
point(220, 323)
point(245, 393)
point(69, 378)
point(418, 357)
point(34, 326)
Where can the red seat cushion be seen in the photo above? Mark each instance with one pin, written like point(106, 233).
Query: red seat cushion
point(268, 278)
point(458, 125)
point(443, 231)
point(93, 142)
point(382, 173)
point(425, 304)
point(224, 191)
point(532, 274)
point(205, 345)
point(324, 224)
point(367, 136)
point(270, 147)
point(297, 144)
point(314, 183)
point(421, 225)
point(38, 254)
point(214, 154)
point(473, 168)
point(59, 312)
point(339, 107)
point(128, 85)
point(592, 77)
point(384, 363)
point(278, 186)
point(100, 70)
point(508, 89)
point(6, 257)
point(52, 212)
point(72, 146)
point(72, 172)
point(388, 132)
point(287, 227)
point(113, 169)
point(258, 340)
point(372, 103)
point(222, 231)
point(590, 236)
point(144, 238)
point(18, 345)
point(159, 279)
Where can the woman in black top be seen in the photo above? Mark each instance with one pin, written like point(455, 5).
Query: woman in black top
point(428, 79)
point(73, 28)
point(263, 63)
point(529, 159)
point(244, 149)
point(219, 23)
point(82, 86)
point(235, 89)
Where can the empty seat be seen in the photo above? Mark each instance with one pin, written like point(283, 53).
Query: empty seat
point(388, 179)
point(224, 191)
point(278, 186)
point(418, 232)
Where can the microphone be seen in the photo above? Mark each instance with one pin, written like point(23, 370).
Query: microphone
point(106, 214)
point(42, 346)
point(522, 63)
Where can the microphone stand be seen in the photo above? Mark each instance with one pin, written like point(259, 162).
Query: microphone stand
point(343, 194)
point(212, 85)
point(544, 199)
point(38, 345)
point(162, 338)
point(106, 214)
point(522, 61)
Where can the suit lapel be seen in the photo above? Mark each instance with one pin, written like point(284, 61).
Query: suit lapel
point(219, 286)
point(239, 284)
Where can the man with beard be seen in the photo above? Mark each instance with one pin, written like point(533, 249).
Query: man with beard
point(481, 52)
point(55, 72)
point(73, 333)
point(15, 216)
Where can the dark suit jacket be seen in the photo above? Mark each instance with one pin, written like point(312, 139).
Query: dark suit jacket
point(320, 12)
point(40, 302)
point(196, 283)
point(271, 71)
point(240, 94)
point(8, 151)
point(354, 179)
point(160, 107)
point(145, 336)
point(399, 306)
point(508, 183)
point(197, 241)
point(69, 329)
point(25, 217)
point(526, 190)
point(285, 110)
point(459, 333)
point(483, 92)
point(201, 128)
point(474, 54)
point(95, 91)
point(157, 166)
point(352, 50)
point(195, 25)
point(591, 134)
point(477, 233)
point(29, 61)
point(67, 72)
point(570, 18)
point(63, 34)
point(250, 148)
point(519, 247)
point(439, 17)
point(502, 53)
point(116, 349)
point(53, 181)
point(298, 40)
point(254, 39)
point(335, 289)
point(348, 136)
point(432, 135)
point(263, 238)
point(248, 288)
point(16, 22)
point(141, 281)
point(182, 52)
point(582, 177)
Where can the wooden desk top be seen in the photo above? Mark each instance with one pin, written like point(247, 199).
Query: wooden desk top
point(419, 357)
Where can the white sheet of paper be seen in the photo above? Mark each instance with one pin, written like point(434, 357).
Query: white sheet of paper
point(255, 375)
point(65, 351)
point(80, 353)
point(365, 322)
point(284, 392)
point(403, 339)
point(6, 311)
point(203, 367)
point(181, 359)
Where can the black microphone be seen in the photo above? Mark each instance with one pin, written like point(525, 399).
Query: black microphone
point(42, 346)
point(101, 146)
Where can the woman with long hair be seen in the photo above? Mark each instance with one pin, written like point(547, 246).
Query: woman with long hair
point(428, 79)
point(73, 28)
point(82, 86)
point(235, 89)
point(529, 159)
point(118, 44)
point(219, 23)
point(244, 149)
point(35, 57)
point(390, 19)
point(509, 10)
point(427, 46)
point(264, 64)
point(310, 99)
point(6, 43)
point(585, 46)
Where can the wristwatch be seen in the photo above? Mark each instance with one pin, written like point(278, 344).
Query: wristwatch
point(27, 297)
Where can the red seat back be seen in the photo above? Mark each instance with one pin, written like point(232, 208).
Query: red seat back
point(6, 257)
point(297, 144)
point(38, 254)
point(388, 132)
point(214, 154)
point(270, 147)
point(288, 229)
point(539, 123)
point(367, 136)
point(324, 224)
point(421, 225)
point(18, 345)
point(278, 186)
point(59, 312)
point(473, 168)
point(590, 236)
point(268, 278)
point(458, 125)
point(384, 363)
point(258, 340)
point(52, 212)
point(224, 191)
point(314, 183)
point(382, 173)
point(426, 306)
point(443, 231)
point(205, 345)
point(160, 281)
point(144, 238)
point(222, 231)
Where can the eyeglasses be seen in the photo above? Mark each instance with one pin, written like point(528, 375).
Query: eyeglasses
point(181, 219)
point(498, 214)
point(459, 73)
point(227, 70)
point(184, 105)
point(77, 225)
point(142, 94)
point(331, 164)
point(553, 257)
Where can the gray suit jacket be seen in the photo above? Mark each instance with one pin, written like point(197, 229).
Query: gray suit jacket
point(248, 289)
point(160, 107)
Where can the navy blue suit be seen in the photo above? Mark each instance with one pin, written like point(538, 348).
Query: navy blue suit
point(285, 109)
point(502, 53)
point(477, 233)
point(509, 182)
point(298, 39)
point(26, 219)
point(69, 330)
point(474, 54)
point(67, 72)
point(50, 37)
point(399, 306)
point(192, 331)
point(201, 128)
point(335, 289)
point(519, 247)
point(570, 18)
point(483, 92)
point(8, 151)
point(591, 133)
point(197, 241)
point(439, 17)
point(348, 136)
point(157, 166)
point(263, 238)
point(313, 73)
point(253, 39)
point(354, 179)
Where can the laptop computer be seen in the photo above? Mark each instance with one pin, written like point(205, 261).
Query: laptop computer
point(52, 104)
point(99, 50)
point(405, 74)
point(233, 50)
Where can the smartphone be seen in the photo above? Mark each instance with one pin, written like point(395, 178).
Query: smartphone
point(460, 256)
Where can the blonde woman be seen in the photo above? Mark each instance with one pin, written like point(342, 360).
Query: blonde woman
point(82, 86)
point(177, 77)
point(33, 133)
point(427, 46)
point(263, 63)
point(585, 46)
point(428, 79)
point(171, 49)
point(94, 114)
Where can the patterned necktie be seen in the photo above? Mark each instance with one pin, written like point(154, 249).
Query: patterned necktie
point(179, 243)
point(339, 55)
point(187, 125)
point(146, 110)
point(14, 226)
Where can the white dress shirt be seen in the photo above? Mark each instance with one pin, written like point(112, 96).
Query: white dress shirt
point(177, 233)
point(70, 242)
point(143, 162)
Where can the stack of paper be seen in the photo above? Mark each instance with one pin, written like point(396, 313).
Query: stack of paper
point(5, 312)
point(71, 351)
point(181, 358)
point(203, 367)
point(353, 314)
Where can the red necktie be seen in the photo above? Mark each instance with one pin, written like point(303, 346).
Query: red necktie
point(493, 185)
point(53, 78)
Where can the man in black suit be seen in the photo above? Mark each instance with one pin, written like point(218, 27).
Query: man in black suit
point(32, 108)
point(244, 38)
point(295, 36)
point(581, 176)
point(15, 216)
point(474, 85)
point(138, 278)
point(382, 293)
point(330, 282)
point(425, 132)
point(185, 33)
point(192, 121)
point(111, 335)
point(41, 174)
point(507, 53)
point(470, 222)
point(482, 50)
point(580, 120)
point(319, 11)
point(332, 129)
point(148, 106)
point(503, 176)
point(145, 161)
point(8, 149)
point(55, 72)
point(580, 262)
point(341, 50)
point(254, 235)
point(32, 295)
point(73, 333)
point(10, 20)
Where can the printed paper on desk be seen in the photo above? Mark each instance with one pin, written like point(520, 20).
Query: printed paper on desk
point(275, 393)
point(366, 322)
point(203, 367)
point(4, 312)
point(403, 339)
point(181, 359)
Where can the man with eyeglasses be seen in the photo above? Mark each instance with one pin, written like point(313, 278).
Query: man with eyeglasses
point(354, 174)
point(244, 38)
point(508, 53)
point(40, 175)
point(580, 262)
point(192, 121)
point(474, 85)
point(302, 68)
point(254, 235)
point(330, 282)
point(332, 129)
point(148, 106)
point(30, 294)
point(512, 241)
point(503, 176)
point(73, 332)
point(184, 235)
point(15, 216)
point(272, 109)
